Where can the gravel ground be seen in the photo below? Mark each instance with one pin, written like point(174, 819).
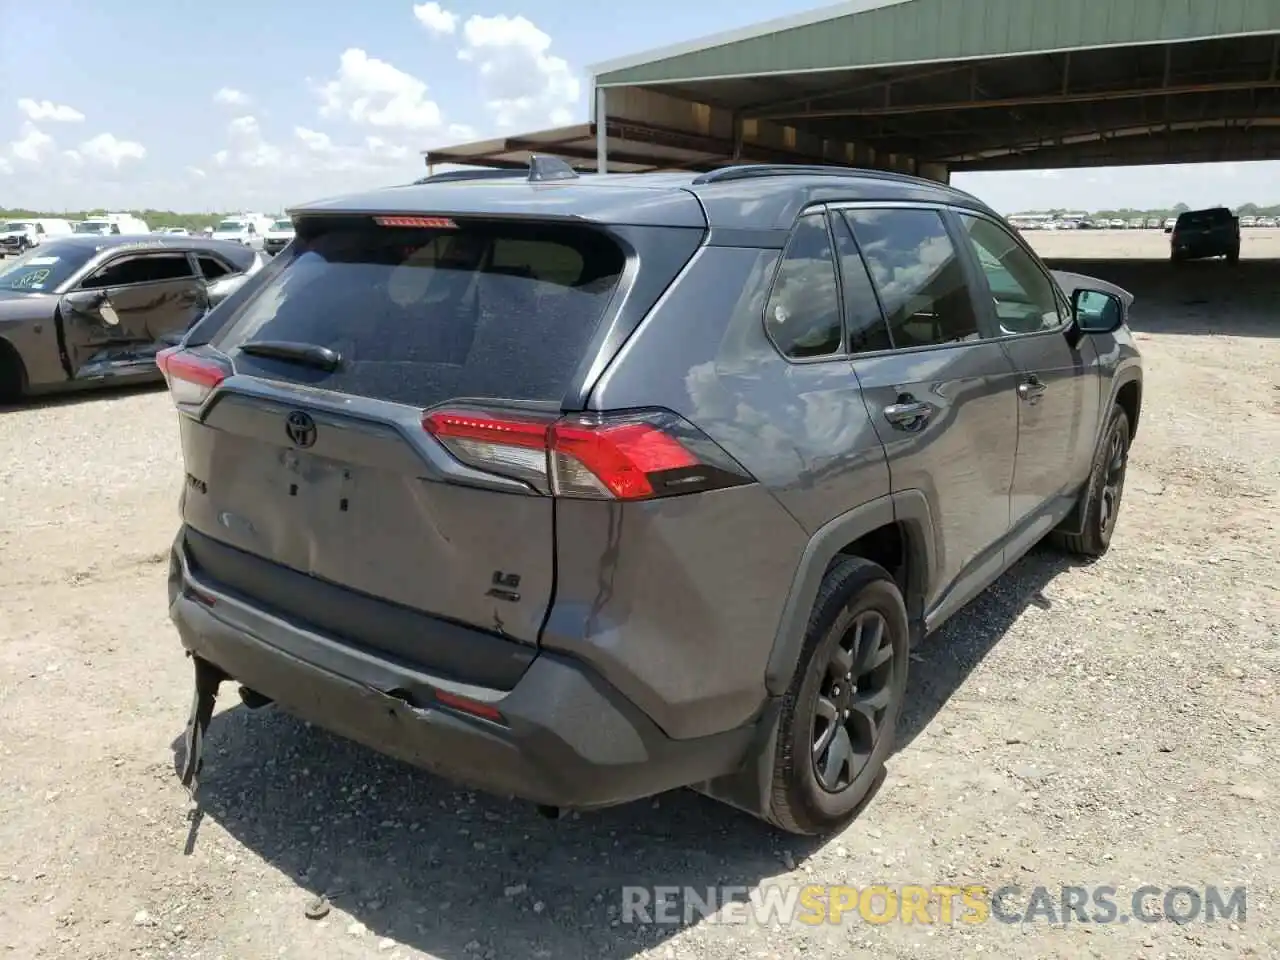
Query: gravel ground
point(1081, 725)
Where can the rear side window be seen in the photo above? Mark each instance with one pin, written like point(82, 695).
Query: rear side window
point(803, 312)
point(918, 275)
point(212, 268)
point(424, 315)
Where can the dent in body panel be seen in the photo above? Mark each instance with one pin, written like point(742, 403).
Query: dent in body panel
point(962, 459)
point(802, 430)
point(361, 509)
point(676, 601)
point(1056, 431)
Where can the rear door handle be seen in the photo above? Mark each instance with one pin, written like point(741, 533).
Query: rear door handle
point(909, 415)
point(1030, 389)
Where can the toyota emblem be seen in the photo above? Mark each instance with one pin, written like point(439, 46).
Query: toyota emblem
point(300, 428)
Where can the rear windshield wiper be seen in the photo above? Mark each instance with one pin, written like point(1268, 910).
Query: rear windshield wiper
point(307, 354)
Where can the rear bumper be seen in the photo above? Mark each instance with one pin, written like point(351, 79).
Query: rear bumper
point(567, 739)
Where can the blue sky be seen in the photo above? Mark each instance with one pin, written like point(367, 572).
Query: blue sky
point(257, 104)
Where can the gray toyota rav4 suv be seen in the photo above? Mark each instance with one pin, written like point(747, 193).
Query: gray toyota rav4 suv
point(583, 488)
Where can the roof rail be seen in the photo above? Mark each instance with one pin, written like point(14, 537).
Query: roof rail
point(750, 171)
point(542, 169)
point(451, 175)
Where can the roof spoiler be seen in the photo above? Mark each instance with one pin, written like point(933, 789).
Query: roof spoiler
point(542, 169)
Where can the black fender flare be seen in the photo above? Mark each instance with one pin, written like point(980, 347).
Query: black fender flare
point(907, 508)
point(1073, 523)
point(749, 788)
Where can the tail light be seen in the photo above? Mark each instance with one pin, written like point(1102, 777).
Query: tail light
point(635, 456)
point(191, 378)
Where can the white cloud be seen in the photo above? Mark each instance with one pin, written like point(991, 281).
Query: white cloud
point(461, 132)
point(32, 145)
point(435, 18)
point(382, 151)
point(313, 140)
point(522, 83)
point(110, 151)
point(246, 146)
point(48, 110)
point(231, 97)
point(372, 153)
point(372, 92)
point(197, 173)
point(309, 163)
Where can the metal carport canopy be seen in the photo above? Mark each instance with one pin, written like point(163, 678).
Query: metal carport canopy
point(932, 86)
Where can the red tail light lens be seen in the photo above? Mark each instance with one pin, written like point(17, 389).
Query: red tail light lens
point(190, 378)
point(636, 456)
point(485, 711)
point(616, 460)
point(506, 445)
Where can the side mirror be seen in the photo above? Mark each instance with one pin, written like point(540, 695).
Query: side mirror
point(1168, 229)
point(1097, 312)
point(95, 303)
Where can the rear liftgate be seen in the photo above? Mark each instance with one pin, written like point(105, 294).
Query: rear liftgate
point(636, 455)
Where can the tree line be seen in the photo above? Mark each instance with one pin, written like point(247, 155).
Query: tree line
point(155, 219)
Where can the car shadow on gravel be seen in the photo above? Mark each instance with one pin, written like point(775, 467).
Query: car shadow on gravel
point(83, 395)
point(1196, 298)
point(412, 858)
point(941, 664)
point(462, 875)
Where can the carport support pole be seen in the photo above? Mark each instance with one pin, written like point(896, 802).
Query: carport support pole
point(602, 131)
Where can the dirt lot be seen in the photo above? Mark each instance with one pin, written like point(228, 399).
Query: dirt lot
point(1110, 724)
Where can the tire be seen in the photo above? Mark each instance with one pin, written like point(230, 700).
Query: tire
point(1101, 506)
point(13, 375)
point(855, 593)
point(1234, 256)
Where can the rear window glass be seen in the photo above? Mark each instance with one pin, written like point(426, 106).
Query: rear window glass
point(419, 316)
point(1204, 218)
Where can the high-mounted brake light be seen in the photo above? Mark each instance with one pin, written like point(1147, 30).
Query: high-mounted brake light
point(190, 378)
point(634, 456)
point(430, 223)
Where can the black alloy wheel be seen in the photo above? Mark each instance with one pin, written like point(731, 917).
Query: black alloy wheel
point(854, 697)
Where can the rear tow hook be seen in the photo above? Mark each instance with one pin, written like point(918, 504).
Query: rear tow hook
point(208, 678)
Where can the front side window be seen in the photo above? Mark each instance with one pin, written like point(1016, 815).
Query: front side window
point(803, 311)
point(1024, 296)
point(150, 268)
point(918, 274)
point(862, 317)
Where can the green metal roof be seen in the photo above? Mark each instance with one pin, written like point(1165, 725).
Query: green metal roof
point(872, 33)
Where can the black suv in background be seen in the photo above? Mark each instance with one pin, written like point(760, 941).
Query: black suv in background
point(1198, 234)
point(584, 488)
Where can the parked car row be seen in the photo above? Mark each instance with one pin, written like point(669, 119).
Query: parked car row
point(89, 310)
point(1080, 222)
